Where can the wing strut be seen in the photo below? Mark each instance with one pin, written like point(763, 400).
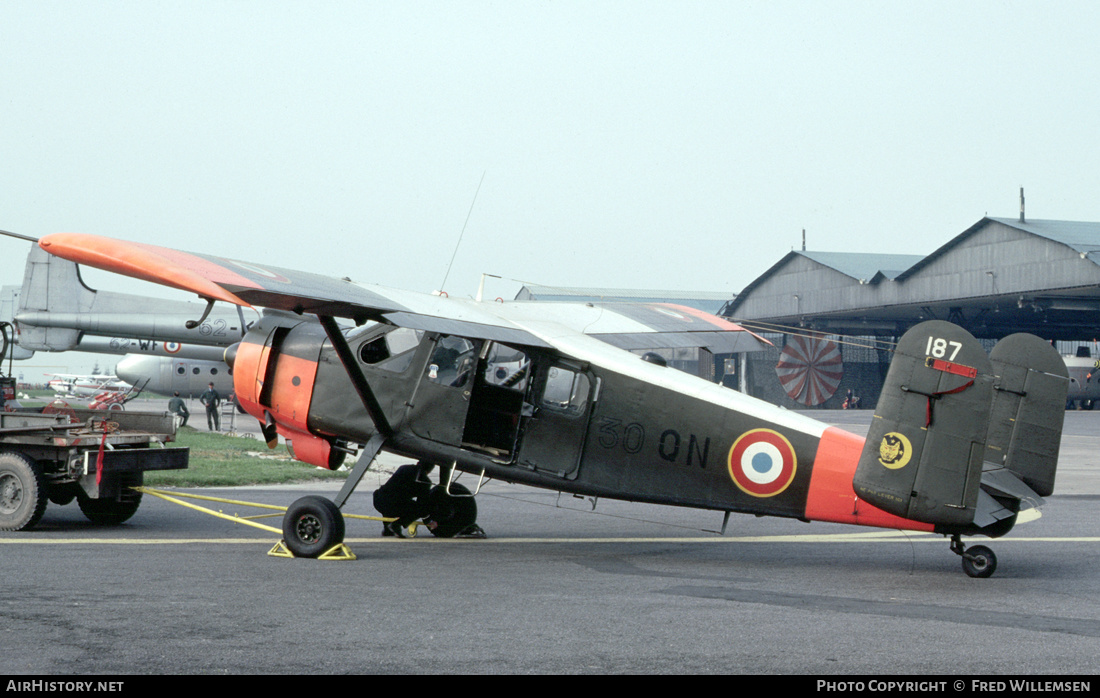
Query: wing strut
point(382, 425)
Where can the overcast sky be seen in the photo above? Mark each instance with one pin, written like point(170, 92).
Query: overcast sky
point(666, 145)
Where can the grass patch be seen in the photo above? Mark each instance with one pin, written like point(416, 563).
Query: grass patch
point(217, 460)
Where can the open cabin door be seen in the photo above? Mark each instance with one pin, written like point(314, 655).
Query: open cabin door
point(516, 408)
point(554, 435)
point(472, 394)
point(443, 394)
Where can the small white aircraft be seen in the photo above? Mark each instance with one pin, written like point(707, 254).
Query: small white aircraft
point(85, 385)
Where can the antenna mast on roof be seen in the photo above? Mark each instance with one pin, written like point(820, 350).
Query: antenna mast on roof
point(803, 239)
point(1022, 205)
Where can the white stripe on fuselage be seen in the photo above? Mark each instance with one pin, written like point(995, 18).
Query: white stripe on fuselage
point(585, 348)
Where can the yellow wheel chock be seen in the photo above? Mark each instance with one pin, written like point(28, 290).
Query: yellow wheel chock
point(336, 552)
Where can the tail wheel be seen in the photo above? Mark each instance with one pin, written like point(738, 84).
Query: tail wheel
point(979, 561)
point(22, 492)
point(451, 512)
point(312, 525)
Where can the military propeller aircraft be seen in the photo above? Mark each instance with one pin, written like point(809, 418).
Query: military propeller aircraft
point(547, 395)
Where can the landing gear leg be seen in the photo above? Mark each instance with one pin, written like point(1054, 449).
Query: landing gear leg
point(453, 508)
point(977, 561)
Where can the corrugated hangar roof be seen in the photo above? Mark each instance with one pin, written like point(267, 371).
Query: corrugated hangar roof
point(865, 266)
point(997, 277)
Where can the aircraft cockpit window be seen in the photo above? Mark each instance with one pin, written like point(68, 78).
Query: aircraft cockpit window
point(566, 391)
point(374, 351)
point(392, 351)
point(403, 339)
point(452, 362)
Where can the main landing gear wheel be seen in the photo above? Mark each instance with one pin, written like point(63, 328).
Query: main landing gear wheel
point(22, 492)
point(453, 512)
point(312, 526)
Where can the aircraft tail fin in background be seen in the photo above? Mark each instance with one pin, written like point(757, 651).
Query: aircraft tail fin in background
point(51, 284)
point(960, 439)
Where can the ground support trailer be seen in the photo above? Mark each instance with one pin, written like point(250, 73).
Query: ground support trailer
point(91, 456)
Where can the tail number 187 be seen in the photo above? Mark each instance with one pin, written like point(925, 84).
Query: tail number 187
point(938, 348)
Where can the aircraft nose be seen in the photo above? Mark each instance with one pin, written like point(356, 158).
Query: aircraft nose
point(134, 368)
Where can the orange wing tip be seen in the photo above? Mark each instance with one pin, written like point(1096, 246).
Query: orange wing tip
point(146, 262)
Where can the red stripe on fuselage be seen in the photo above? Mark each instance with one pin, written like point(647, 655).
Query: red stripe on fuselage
point(831, 497)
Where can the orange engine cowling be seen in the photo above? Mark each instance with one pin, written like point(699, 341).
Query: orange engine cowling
point(274, 370)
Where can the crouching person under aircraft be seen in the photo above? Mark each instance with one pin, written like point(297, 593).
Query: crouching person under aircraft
point(410, 495)
point(404, 497)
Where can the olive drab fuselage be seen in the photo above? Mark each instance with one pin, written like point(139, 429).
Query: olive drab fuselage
point(530, 416)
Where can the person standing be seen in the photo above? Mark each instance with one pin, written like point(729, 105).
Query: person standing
point(177, 406)
point(212, 400)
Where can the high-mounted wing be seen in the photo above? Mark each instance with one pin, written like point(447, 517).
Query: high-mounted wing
point(625, 325)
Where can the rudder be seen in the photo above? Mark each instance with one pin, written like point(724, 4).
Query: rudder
point(1029, 398)
point(924, 451)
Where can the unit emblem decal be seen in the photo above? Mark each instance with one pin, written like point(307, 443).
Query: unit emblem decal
point(895, 450)
point(762, 463)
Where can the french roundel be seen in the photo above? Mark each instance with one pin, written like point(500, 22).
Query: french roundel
point(762, 463)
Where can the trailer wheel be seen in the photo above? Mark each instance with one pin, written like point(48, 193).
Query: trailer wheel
point(312, 525)
point(22, 492)
point(453, 512)
point(108, 512)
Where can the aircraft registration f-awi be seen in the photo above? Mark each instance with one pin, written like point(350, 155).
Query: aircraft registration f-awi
point(548, 395)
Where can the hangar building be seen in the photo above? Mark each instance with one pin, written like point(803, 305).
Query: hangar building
point(998, 277)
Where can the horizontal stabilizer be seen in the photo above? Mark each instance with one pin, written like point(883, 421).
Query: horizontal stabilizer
point(1029, 406)
point(924, 451)
point(989, 512)
point(1003, 482)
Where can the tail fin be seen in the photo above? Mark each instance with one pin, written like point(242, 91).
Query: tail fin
point(1029, 401)
point(962, 440)
point(51, 285)
point(923, 456)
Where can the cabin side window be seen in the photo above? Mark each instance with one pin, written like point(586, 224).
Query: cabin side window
point(566, 390)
